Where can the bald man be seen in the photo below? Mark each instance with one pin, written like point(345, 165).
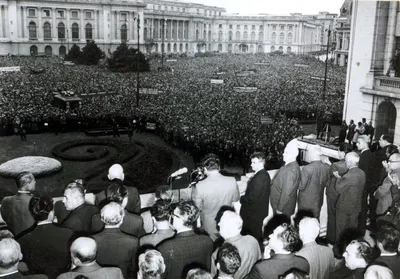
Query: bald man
point(10, 255)
point(83, 257)
point(350, 188)
point(116, 173)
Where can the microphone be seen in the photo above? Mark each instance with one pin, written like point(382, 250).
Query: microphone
point(179, 172)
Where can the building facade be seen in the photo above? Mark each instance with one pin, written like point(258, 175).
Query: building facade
point(342, 33)
point(53, 26)
point(372, 90)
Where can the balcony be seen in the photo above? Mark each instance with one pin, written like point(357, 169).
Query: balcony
point(383, 86)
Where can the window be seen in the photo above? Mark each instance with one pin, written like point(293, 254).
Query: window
point(88, 32)
point(237, 26)
point(219, 13)
point(47, 31)
point(253, 36)
point(155, 7)
point(290, 38)
point(282, 27)
point(220, 35)
point(290, 27)
point(261, 27)
point(46, 13)
point(124, 33)
point(273, 37)
point(261, 36)
point(205, 12)
point(281, 38)
point(205, 26)
point(253, 27)
point(124, 17)
point(32, 12)
point(198, 11)
point(230, 26)
point(184, 9)
point(75, 31)
point(230, 35)
point(32, 30)
point(159, 8)
point(245, 36)
point(61, 30)
point(274, 27)
point(237, 35)
point(74, 14)
point(60, 14)
point(245, 27)
point(88, 15)
point(220, 26)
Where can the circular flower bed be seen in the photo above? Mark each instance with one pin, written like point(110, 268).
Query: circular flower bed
point(38, 165)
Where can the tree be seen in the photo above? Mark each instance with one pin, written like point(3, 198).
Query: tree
point(124, 59)
point(73, 54)
point(91, 54)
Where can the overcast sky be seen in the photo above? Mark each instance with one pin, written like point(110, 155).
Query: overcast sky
point(274, 7)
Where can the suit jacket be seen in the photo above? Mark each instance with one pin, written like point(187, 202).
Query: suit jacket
point(46, 249)
point(80, 219)
point(15, 212)
point(93, 271)
point(278, 265)
point(184, 249)
point(132, 224)
point(133, 205)
point(314, 178)
point(384, 195)
point(341, 168)
point(320, 258)
point(284, 188)
point(212, 193)
point(392, 262)
point(350, 189)
point(351, 132)
point(367, 164)
point(155, 238)
point(18, 275)
point(115, 248)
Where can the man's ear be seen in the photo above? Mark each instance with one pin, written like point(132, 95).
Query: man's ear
point(218, 266)
point(108, 175)
point(20, 256)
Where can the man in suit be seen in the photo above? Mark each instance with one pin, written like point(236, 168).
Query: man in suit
point(371, 131)
point(314, 178)
point(186, 247)
point(151, 265)
point(80, 217)
point(367, 164)
point(255, 201)
point(83, 257)
point(286, 182)
point(10, 255)
point(248, 247)
point(320, 258)
point(283, 241)
point(350, 133)
point(388, 240)
point(228, 261)
point(15, 209)
point(350, 188)
point(212, 193)
point(357, 256)
point(116, 173)
point(378, 271)
point(115, 248)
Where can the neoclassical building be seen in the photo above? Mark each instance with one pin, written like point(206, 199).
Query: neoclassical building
point(372, 90)
point(342, 30)
point(53, 26)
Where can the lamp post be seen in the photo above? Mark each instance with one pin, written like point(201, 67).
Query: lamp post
point(138, 62)
point(162, 42)
point(326, 61)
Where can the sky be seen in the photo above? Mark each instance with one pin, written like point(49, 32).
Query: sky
point(274, 7)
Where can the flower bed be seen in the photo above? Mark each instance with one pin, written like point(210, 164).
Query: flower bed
point(91, 154)
point(38, 165)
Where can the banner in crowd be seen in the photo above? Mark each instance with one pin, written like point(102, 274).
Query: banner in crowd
point(171, 60)
point(221, 73)
point(245, 73)
point(68, 63)
point(151, 126)
point(216, 81)
point(302, 65)
point(10, 69)
point(266, 120)
point(150, 91)
point(262, 63)
point(319, 78)
point(245, 89)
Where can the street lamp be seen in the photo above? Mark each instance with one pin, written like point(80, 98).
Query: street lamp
point(138, 62)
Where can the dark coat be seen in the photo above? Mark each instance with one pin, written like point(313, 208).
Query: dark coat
point(255, 203)
point(350, 133)
point(46, 249)
point(93, 271)
point(20, 276)
point(80, 219)
point(184, 249)
point(314, 178)
point(133, 205)
point(368, 164)
point(16, 214)
point(115, 248)
point(284, 188)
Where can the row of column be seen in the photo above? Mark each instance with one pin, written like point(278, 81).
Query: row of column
point(172, 29)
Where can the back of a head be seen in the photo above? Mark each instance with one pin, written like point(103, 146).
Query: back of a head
point(116, 192)
point(365, 250)
point(389, 237)
point(112, 214)
point(294, 273)
point(189, 211)
point(164, 192)
point(10, 253)
point(387, 138)
point(151, 264)
point(290, 238)
point(198, 273)
point(230, 224)
point(211, 162)
point(116, 171)
point(6, 234)
point(259, 155)
point(365, 138)
point(309, 229)
point(23, 180)
point(228, 258)
point(352, 158)
point(161, 210)
point(40, 207)
point(378, 271)
point(84, 249)
point(391, 149)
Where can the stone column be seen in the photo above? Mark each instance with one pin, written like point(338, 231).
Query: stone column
point(39, 27)
point(82, 33)
point(390, 35)
point(54, 30)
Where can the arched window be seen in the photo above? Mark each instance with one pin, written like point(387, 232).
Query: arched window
point(245, 36)
point(32, 30)
point(272, 49)
point(236, 48)
point(47, 31)
point(251, 49)
point(289, 49)
point(48, 50)
point(230, 48)
point(62, 51)
point(75, 31)
point(220, 35)
point(175, 48)
point(33, 50)
point(253, 36)
point(281, 48)
point(261, 36)
point(219, 47)
point(273, 37)
point(124, 33)
point(197, 34)
point(168, 47)
point(88, 31)
point(290, 38)
point(145, 36)
point(61, 30)
point(230, 34)
point(260, 49)
point(209, 35)
point(204, 35)
point(237, 36)
point(186, 47)
point(281, 38)
point(180, 47)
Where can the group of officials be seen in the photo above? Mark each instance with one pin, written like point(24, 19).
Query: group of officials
point(108, 235)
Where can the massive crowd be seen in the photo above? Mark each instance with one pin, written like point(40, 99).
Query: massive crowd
point(189, 110)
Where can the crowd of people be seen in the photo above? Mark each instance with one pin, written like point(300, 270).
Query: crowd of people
point(188, 109)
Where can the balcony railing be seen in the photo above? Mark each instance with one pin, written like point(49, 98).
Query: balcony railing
point(388, 84)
